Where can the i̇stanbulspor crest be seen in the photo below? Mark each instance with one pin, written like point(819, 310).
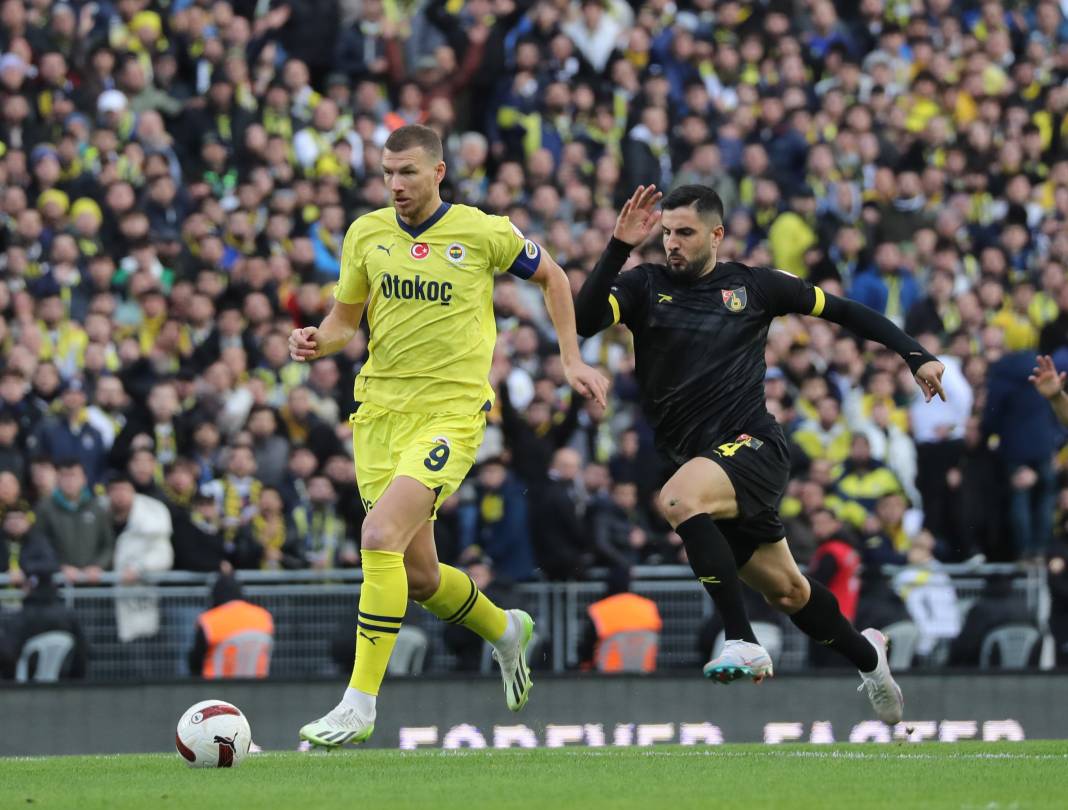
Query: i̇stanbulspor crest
point(734, 300)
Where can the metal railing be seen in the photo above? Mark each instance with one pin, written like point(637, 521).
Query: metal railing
point(312, 608)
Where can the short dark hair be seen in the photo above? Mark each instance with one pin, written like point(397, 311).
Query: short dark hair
point(702, 198)
point(413, 135)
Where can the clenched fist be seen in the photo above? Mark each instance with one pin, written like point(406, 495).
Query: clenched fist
point(303, 343)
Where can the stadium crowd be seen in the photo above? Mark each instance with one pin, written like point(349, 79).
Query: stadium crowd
point(177, 178)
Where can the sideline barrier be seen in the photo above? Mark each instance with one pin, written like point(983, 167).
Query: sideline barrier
point(311, 608)
point(436, 713)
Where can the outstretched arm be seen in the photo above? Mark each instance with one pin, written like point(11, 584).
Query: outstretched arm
point(870, 325)
point(1050, 384)
point(593, 310)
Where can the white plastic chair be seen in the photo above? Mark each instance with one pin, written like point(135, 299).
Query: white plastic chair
point(51, 650)
point(409, 652)
point(903, 638)
point(1014, 643)
point(246, 650)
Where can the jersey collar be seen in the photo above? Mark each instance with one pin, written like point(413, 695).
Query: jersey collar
point(426, 224)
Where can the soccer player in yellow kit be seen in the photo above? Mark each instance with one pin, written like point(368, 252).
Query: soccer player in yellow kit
point(424, 270)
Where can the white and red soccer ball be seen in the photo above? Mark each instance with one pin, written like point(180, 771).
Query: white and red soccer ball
point(213, 734)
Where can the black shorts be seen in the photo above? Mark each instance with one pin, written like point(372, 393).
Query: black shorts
point(759, 470)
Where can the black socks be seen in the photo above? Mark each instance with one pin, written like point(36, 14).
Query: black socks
point(713, 563)
point(822, 620)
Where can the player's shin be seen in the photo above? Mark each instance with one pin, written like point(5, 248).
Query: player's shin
point(822, 619)
point(458, 601)
point(383, 599)
point(713, 563)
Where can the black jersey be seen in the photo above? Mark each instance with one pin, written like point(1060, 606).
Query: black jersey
point(699, 348)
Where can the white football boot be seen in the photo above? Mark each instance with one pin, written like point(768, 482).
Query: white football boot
point(739, 659)
point(883, 691)
point(341, 725)
point(512, 659)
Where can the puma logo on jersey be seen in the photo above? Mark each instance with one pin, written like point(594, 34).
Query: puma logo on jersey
point(386, 249)
point(709, 580)
point(372, 639)
point(663, 299)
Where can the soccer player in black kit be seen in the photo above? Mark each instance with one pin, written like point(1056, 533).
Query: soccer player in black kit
point(700, 328)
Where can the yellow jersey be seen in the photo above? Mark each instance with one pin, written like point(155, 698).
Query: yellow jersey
point(429, 294)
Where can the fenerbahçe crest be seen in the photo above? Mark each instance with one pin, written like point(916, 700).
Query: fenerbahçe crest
point(734, 300)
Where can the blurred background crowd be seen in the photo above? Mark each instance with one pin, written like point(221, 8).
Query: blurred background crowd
point(176, 179)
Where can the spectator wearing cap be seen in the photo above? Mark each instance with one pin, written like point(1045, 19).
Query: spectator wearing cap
point(86, 219)
point(76, 526)
point(113, 112)
point(142, 529)
point(68, 434)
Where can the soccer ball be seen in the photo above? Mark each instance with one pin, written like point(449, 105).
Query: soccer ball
point(213, 734)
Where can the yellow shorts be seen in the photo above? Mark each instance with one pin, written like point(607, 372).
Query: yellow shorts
point(436, 450)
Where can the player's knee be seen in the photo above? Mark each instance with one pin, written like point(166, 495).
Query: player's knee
point(423, 582)
point(788, 596)
point(678, 507)
point(379, 536)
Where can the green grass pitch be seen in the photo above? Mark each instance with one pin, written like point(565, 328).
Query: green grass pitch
point(975, 776)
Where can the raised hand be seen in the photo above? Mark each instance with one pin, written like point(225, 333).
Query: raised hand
point(1045, 378)
point(639, 216)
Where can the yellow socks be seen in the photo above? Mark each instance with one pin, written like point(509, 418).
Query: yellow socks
point(458, 601)
point(383, 600)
